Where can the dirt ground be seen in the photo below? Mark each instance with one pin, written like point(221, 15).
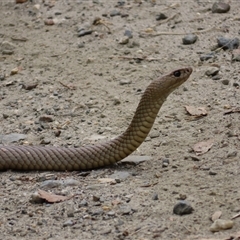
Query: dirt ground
point(90, 86)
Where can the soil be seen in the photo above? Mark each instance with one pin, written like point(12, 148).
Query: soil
point(90, 86)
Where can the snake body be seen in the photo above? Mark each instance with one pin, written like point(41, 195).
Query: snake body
point(103, 154)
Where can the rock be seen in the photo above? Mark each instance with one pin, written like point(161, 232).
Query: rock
point(49, 22)
point(225, 81)
point(128, 33)
point(46, 118)
point(83, 203)
point(227, 43)
point(155, 196)
point(165, 162)
point(114, 13)
point(120, 175)
point(161, 16)
point(56, 183)
point(12, 137)
point(212, 71)
point(220, 7)
point(68, 223)
point(35, 198)
point(135, 160)
point(207, 56)
point(7, 48)
point(154, 134)
point(182, 207)
point(236, 55)
point(125, 210)
point(120, 3)
point(189, 39)
point(221, 224)
point(125, 81)
point(124, 40)
point(83, 32)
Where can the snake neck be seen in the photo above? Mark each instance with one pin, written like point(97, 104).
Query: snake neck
point(141, 123)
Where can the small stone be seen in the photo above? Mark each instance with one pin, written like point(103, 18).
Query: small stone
point(12, 137)
point(232, 154)
point(70, 214)
point(83, 203)
point(154, 134)
point(207, 56)
point(161, 16)
point(46, 118)
point(81, 45)
point(7, 46)
point(116, 101)
point(128, 33)
point(182, 207)
point(220, 7)
point(212, 71)
point(68, 223)
point(155, 196)
point(125, 209)
point(189, 39)
point(2, 77)
point(211, 172)
point(96, 198)
point(135, 160)
point(125, 81)
point(114, 13)
point(226, 43)
point(124, 40)
point(83, 32)
point(35, 198)
point(225, 81)
point(49, 22)
point(120, 175)
point(221, 224)
point(165, 162)
point(111, 213)
point(236, 55)
point(120, 3)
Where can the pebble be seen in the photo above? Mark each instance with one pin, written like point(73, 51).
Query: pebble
point(189, 39)
point(12, 137)
point(114, 13)
point(225, 81)
point(35, 198)
point(154, 134)
point(49, 22)
point(128, 33)
point(182, 207)
point(135, 160)
point(120, 3)
point(124, 40)
point(56, 183)
point(220, 7)
point(207, 56)
point(68, 223)
point(221, 224)
point(7, 46)
point(227, 43)
point(120, 175)
point(83, 203)
point(165, 162)
point(125, 210)
point(161, 16)
point(125, 81)
point(46, 118)
point(155, 196)
point(236, 55)
point(83, 32)
point(212, 71)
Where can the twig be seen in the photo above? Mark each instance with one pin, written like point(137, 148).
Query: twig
point(178, 33)
point(140, 58)
point(236, 216)
point(67, 86)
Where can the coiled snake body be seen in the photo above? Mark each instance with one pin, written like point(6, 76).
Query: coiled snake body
point(99, 155)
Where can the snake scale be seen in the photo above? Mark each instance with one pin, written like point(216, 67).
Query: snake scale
point(103, 154)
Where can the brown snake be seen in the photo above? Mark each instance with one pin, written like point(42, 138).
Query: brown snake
point(103, 154)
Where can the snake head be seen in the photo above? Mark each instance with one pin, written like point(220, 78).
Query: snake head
point(169, 82)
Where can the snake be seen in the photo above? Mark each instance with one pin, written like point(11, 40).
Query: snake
point(51, 158)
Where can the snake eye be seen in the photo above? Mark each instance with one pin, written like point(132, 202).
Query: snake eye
point(177, 73)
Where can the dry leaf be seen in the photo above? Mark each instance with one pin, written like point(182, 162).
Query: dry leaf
point(52, 198)
point(216, 215)
point(203, 147)
point(196, 111)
